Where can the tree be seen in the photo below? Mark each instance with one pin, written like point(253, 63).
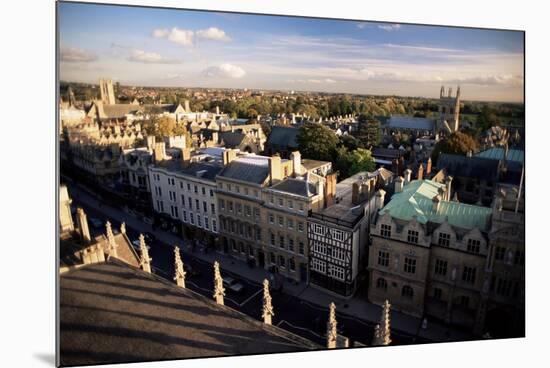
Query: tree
point(487, 118)
point(317, 142)
point(349, 163)
point(349, 141)
point(457, 143)
point(165, 126)
point(368, 132)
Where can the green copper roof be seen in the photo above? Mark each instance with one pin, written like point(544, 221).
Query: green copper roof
point(497, 153)
point(416, 200)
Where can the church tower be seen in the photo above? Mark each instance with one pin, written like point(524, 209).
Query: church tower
point(107, 92)
point(449, 110)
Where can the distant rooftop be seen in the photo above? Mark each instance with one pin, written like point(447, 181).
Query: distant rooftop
point(409, 122)
point(250, 168)
point(497, 153)
point(416, 200)
point(207, 171)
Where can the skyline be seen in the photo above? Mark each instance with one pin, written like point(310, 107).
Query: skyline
point(184, 48)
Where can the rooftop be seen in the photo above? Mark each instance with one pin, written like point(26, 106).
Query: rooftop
point(249, 168)
point(296, 186)
point(474, 167)
point(497, 153)
point(409, 122)
point(114, 313)
point(416, 200)
point(283, 136)
point(203, 170)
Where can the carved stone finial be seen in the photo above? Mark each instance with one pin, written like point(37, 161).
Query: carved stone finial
point(385, 331)
point(332, 332)
point(145, 261)
point(123, 228)
point(267, 311)
point(180, 273)
point(219, 291)
point(111, 238)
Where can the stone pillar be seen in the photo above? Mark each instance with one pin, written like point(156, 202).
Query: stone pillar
point(111, 238)
point(83, 225)
point(332, 333)
point(219, 291)
point(145, 261)
point(180, 273)
point(267, 311)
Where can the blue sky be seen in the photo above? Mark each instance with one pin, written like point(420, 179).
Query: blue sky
point(165, 47)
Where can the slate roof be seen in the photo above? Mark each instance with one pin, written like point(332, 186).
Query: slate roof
point(251, 169)
point(296, 186)
point(409, 122)
point(472, 167)
point(283, 136)
point(416, 200)
point(207, 171)
point(232, 139)
point(120, 110)
point(114, 313)
point(386, 152)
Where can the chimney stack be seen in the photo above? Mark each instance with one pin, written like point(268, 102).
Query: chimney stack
point(429, 167)
point(150, 142)
point(83, 225)
point(187, 109)
point(228, 156)
point(355, 193)
point(408, 173)
point(275, 172)
point(399, 184)
point(296, 159)
point(420, 173)
point(330, 188)
point(379, 199)
point(186, 155)
point(217, 110)
point(159, 151)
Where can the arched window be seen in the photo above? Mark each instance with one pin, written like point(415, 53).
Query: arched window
point(407, 292)
point(382, 284)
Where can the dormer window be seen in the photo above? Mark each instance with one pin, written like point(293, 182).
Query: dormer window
point(444, 239)
point(412, 236)
point(474, 245)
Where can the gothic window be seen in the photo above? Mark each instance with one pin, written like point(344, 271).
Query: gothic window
point(407, 292)
point(382, 284)
point(409, 265)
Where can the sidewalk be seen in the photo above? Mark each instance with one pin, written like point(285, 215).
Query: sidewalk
point(356, 308)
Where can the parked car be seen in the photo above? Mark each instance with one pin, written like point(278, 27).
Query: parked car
point(97, 223)
point(232, 284)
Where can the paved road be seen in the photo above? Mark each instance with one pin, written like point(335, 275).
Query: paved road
point(291, 313)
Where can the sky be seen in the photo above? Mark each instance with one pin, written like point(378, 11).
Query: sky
point(183, 48)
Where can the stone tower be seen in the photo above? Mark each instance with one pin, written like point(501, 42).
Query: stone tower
point(449, 111)
point(107, 92)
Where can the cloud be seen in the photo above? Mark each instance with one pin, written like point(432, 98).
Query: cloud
point(180, 36)
point(140, 56)
point(186, 37)
point(313, 80)
point(389, 27)
point(361, 25)
point(74, 55)
point(224, 71)
point(421, 48)
point(212, 33)
point(491, 80)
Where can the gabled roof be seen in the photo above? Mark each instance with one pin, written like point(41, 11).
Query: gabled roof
point(416, 200)
point(473, 167)
point(232, 139)
point(283, 136)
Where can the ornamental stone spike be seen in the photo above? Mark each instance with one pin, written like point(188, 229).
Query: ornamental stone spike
point(267, 311)
point(385, 331)
point(123, 228)
point(331, 327)
point(145, 261)
point(111, 238)
point(219, 291)
point(376, 337)
point(180, 273)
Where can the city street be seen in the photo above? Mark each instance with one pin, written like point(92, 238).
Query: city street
point(291, 313)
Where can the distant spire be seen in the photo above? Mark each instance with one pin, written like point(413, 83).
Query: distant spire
point(180, 273)
point(267, 311)
point(145, 261)
point(332, 332)
point(219, 291)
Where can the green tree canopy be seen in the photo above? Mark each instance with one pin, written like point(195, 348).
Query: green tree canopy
point(457, 143)
point(349, 163)
point(165, 126)
point(368, 131)
point(317, 142)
